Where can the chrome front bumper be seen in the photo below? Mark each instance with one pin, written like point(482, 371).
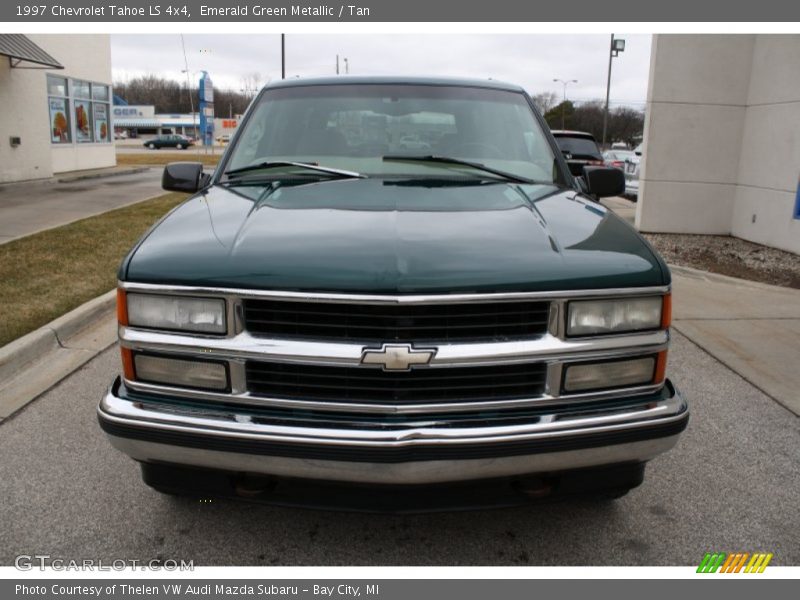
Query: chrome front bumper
point(418, 450)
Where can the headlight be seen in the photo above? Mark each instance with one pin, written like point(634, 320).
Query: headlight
point(610, 374)
point(181, 313)
point(591, 317)
point(181, 372)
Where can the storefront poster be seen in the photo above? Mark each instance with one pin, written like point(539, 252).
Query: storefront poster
point(83, 132)
point(100, 123)
point(59, 125)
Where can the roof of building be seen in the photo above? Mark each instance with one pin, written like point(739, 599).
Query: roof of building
point(139, 122)
point(20, 49)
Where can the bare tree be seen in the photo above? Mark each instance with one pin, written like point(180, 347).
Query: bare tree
point(170, 96)
point(545, 101)
point(625, 124)
point(251, 84)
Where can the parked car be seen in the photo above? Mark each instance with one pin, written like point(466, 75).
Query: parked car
point(120, 135)
point(617, 158)
point(331, 319)
point(580, 149)
point(631, 169)
point(225, 138)
point(169, 141)
point(412, 142)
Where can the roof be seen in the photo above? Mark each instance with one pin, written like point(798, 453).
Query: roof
point(394, 80)
point(143, 123)
point(18, 48)
point(572, 133)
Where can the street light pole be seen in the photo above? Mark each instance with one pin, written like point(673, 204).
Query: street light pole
point(565, 83)
point(283, 56)
point(617, 46)
point(189, 86)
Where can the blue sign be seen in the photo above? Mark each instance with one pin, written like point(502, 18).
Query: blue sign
point(797, 202)
point(206, 109)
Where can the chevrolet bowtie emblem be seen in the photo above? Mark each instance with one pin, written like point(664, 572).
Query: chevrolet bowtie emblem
point(396, 357)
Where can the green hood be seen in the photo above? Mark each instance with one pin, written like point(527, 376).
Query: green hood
point(380, 236)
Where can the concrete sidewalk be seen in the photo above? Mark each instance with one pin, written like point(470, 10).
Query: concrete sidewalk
point(622, 207)
point(752, 328)
point(30, 207)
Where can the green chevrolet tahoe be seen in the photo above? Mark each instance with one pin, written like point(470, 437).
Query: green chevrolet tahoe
point(338, 317)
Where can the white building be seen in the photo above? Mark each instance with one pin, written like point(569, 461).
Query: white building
point(142, 121)
point(55, 91)
point(722, 138)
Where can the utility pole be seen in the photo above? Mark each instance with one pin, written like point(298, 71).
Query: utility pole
point(337, 64)
point(565, 83)
point(346, 66)
point(189, 90)
point(283, 56)
point(617, 46)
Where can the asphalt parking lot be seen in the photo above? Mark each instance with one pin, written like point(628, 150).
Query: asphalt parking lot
point(732, 484)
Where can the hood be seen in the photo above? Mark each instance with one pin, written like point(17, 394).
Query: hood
point(380, 236)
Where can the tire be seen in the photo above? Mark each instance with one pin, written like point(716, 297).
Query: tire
point(151, 146)
point(179, 146)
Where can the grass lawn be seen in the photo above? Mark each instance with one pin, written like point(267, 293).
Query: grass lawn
point(45, 275)
point(161, 157)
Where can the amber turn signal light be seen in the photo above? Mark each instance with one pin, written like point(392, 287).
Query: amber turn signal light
point(122, 307)
point(661, 367)
point(127, 364)
point(666, 311)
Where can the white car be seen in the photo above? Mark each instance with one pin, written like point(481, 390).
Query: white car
point(632, 173)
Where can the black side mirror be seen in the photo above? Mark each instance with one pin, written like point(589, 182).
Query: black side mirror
point(184, 177)
point(603, 181)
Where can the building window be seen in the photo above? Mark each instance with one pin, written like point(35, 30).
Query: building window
point(59, 112)
point(80, 109)
point(100, 112)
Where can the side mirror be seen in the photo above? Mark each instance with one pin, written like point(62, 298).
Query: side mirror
point(603, 181)
point(184, 177)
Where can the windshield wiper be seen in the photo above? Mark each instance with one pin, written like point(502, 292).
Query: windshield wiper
point(457, 161)
point(270, 164)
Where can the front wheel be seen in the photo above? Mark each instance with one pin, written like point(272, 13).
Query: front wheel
point(179, 146)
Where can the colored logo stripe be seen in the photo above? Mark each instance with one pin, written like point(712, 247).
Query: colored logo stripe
point(734, 562)
point(711, 562)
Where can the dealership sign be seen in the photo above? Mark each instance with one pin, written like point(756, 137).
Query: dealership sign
point(134, 112)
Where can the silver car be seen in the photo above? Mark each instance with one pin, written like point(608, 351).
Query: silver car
point(632, 173)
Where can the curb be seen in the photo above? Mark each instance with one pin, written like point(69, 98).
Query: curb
point(131, 171)
point(37, 361)
point(15, 355)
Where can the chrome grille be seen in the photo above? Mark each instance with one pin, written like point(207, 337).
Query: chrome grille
point(481, 321)
point(423, 385)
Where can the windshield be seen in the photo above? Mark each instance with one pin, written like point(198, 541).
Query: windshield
point(354, 126)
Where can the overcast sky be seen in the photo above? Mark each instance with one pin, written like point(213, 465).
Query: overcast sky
point(532, 61)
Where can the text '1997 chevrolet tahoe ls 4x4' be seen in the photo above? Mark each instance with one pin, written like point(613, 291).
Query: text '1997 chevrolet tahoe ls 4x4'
point(335, 317)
